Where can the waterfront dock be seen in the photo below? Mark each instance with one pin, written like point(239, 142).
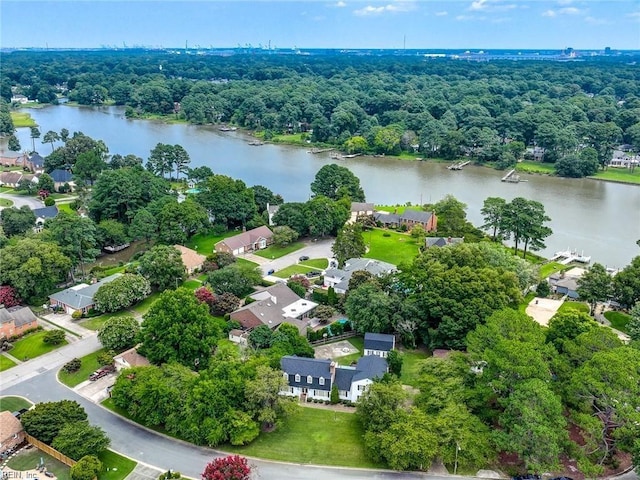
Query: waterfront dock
point(567, 256)
point(512, 177)
point(459, 165)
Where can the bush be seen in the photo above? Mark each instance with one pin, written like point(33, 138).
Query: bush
point(87, 468)
point(170, 475)
point(54, 337)
point(543, 289)
point(49, 202)
point(386, 234)
point(105, 358)
point(335, 396)
point(72, 365)
point(76, 315)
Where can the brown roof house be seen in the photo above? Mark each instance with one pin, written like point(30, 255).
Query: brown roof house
point(16, 320)
point(130, 358)
point(11, 432)
point(275, 305)
point(359, 209)
point(191, 259)
point(245, 242)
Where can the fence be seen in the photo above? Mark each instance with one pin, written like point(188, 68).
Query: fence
point(50, 451)
point(335, 338)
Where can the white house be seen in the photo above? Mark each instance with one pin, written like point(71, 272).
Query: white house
point(379, 344)
point(359, 209)
point(130, 358)
point(338, 278)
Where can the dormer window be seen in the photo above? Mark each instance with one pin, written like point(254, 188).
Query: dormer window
point(297, 377)
point(309, 379)
point(285, 375)
point(321, 381)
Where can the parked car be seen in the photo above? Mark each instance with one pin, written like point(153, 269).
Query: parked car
point(313, 274)
point(102, 372)
point(271, 272)
point(303, 258)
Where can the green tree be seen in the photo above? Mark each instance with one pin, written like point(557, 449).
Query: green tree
point(633, 327)
point(261, 336)
point(35, 133)
point(177, 222)
point(395, 360)
point(324, 312)
point(228, 201)
point(524, 220)
point(335, 395)
point(235, 279)
point(242, 428)
point(111, 233)
point(179, 328)
point(325, 216)
point(53, 337)
point(130, 160)
point(87, 468)
point(88, 166)
point(626, 284)
point(17, 221)
point(566, 326)
point(45, 182)
point(13, 143)
point(595, 285)
point(334, 181)
point(369, 309)
point(51, 137)
point(181, 160)
point(79, 439)
point(46, 420)
point(162, 266)
point(119, 333)
point(143, 226)
point(292, 215)
point(283, 236)
point(263, 398)
point(492, 212)
point(349, 243)
point(377, 407)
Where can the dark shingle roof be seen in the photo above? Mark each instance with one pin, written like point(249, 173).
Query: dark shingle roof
point(46, 212)
point(442, 241)
point(378, 341)
point(247, 238)
point(314, 367)
point(61, 176)
point(19, 315)
point(344, 377)
point(36, 160)
point(416, 216)
point(370, 366)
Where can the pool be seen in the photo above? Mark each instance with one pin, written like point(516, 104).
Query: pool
point(193, 190)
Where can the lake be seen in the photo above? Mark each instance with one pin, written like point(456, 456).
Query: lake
point(601, 219)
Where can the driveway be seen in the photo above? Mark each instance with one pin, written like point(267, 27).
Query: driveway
point(20, 200)
point(542, 309)
point(318, 249)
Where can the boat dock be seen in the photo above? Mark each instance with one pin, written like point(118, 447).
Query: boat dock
point(567, 256)
point(320, 150)
point(512, 177)
point(458, 165)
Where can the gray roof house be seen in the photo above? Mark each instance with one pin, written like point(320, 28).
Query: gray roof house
point(378, 344)
point(409, 218)
point(79, 297)
point(61, 176)
point(15, 320)
point(338, 278)
point(442, 241)
point(43, 214)
point(307, 373)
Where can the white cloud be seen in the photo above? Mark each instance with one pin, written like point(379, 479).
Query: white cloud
point(441, 14)
point(478, 5)
point(549, 13)
point(491, 5)
point(389, 8)
point(569, 11)
point(464, 18)
point(340, 4)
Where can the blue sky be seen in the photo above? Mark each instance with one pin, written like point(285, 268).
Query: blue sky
point(426, 24)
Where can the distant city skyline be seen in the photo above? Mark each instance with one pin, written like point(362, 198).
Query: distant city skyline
point(348, 24)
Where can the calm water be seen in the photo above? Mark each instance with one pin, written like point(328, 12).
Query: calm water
point(600, 218)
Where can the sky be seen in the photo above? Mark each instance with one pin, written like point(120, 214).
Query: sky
point(344, 24)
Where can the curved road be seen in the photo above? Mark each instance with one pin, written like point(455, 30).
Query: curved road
point(20, 200)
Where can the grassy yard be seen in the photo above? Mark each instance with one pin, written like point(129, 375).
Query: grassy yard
point(292, 139)
point(618, 320)
point(192, 284)
point(569, 306)
point(357, 342)
point(13, 404)
point(204, 242)
point(88, 366)
point(411, 360)
point(399, 209)
point(619, 175)
point(114, 466)
point(144, 306)
point(246, 263)
point(397, 248)
point(550, 268)
point(536, 167)
point(522, 307)
point(96, 323)
point(28, 459)
point(33, 346)
point(275, 251)
point(335, 439)
point(6, 363)
point(5, 189)
point(66, 207)
point(5, 202)
point(22, 119)
point(319, 263)
point(294, 270)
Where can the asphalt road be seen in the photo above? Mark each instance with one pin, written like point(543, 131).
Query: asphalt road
point(20, 200)
point(319, 249)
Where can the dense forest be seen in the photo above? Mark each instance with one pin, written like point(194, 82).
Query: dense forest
point(576, 112)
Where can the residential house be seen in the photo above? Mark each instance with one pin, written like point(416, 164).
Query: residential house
point(245, 242)
point(621, 159)
point(408, 218)
point(35, 163)
point(271, 212)
point(80, 297)
point(313, 378)
point(16, 320)
point(191, 259)
point(11, 432)
point(238, 336)
point(338, 278)
point(21, 99)
point(359, 209)
point(130, 358)
point(273, 306)
point(19, 161)
point(43, 214)
point(62, 177)
point(442, 241)
point(12, 179)
point(379, 344)
point(566, 283)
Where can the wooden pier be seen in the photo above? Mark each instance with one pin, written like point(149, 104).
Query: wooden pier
point(320, 150)
point(512, 177)
point(569, 256)
point(459, 165)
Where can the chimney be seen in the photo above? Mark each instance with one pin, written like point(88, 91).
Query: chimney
point(332, 370)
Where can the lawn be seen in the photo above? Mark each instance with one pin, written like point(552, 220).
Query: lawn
point(550, 268)
point(618, 320)
point(5, 189)
point(290, 139)
point(319, 263)
point(245, 263)
point(205, 242)
point(6, 363)
point(66, 207)
point(22, 119)
point(357, 342)
point(13, 404)
point(192, 284)
point(88, 366)
point(275, 251)
point(522, 307)
point(619, 175)
point(5, 202)
point(28, 459)
point(397, 248)
point(399, 209)
point(96, 323)
point(536, 167)
point(144, 306)
point(335, 439)
point(293, 270)
point(115, 466)
point(411, 360)
point(33, 346)
point(569, 306)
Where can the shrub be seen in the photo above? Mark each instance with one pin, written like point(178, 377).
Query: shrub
point(49, 202)
point(170, 475)
point(76, 315)
point(335, 396)
point(87, 468)
point(543, 290)
point(54, 337)
point(72, 365)
point(105, 358)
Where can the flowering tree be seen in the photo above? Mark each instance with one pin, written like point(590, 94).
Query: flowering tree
point(8, 296)
point(122, 292)
point(233, 467)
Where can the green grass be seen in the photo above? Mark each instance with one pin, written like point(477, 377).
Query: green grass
point(522, 307)
point(114, 466)
point(292, 139)
point(32, 346)
point(568, 306)
point(88, 366)
point(411, 360)
point(62, 196)
point(399, 209)
point(246, 263)
point(28, 459)
point(618, 320)
point(549, 269)
point(623, 175)
point(357, 342)
point(319, 263)
point(118, 269)
point(536, 167)
point(275, 251)
point(5, 189)
point(13, 404)
point(293, 270)
point(4, 202)
point(397, 248)
point(144, 306)
point(192, 284)
point(22, 119)
point(205, 242)
point(6, 363)
point(66, 207)
point(314, 436)
point(96, 323)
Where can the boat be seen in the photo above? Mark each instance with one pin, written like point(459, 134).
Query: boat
point(228, 129)
point(256, 143)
